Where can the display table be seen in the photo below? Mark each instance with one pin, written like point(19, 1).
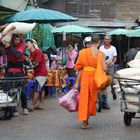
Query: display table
point(56, 77)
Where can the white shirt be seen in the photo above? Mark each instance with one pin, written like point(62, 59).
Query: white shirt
point(110, 52)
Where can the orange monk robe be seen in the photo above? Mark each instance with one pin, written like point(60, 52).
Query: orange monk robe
point(88, 90)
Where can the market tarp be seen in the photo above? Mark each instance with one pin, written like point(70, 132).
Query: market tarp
point(127, 32)
point(119, 32)
point(134, 33)
point(46, 39)
point(40, 15)
point(13, 5)
point(72, 29)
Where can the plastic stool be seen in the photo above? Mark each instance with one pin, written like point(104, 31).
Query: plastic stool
point(72, 79)
point(116, 67)
point(28, 87)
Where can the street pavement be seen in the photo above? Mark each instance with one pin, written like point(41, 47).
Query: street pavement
point(55, 123)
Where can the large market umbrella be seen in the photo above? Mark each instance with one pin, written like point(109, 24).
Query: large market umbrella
point(72, 29)
point(134, 33)
point(40, 15)
point(119, 32)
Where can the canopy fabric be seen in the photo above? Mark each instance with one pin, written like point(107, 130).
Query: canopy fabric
point(134, 33)
point(46, 39)
point(119, 32)
point(17, 5)
point(72, 29)
point(128, 33)
point(40, 15)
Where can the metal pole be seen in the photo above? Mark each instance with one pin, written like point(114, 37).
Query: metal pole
point(63, 43)
point(129, 43)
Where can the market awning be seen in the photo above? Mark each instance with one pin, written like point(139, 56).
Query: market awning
point(16, 5)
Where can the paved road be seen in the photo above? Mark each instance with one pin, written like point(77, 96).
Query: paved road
point(55, 123)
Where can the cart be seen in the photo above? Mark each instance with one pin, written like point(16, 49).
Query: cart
point(10, 91)
point(130, 98)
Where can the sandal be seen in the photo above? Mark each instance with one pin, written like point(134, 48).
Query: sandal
point(85, 127)
point(38, 108)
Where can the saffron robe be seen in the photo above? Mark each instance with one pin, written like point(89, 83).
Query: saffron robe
point(88, 90)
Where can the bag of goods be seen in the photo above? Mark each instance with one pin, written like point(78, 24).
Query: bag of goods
point(128, 72)
point(4, 98)
point(70, 100)
point(17, 28)
point(137, 57)
point(134, 63)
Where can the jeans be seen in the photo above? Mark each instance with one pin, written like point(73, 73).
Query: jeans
point(104, 100)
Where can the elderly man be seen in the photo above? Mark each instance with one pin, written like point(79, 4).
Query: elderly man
point(110, 53)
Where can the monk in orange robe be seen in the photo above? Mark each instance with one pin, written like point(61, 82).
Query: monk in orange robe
point(86, 65)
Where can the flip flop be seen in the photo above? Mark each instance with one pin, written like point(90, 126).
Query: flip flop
point(38, 108)
point(85, 127)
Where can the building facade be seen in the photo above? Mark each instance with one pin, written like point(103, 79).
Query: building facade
point(109, 12)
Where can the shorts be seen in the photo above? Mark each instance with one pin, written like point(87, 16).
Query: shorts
point(36, 87)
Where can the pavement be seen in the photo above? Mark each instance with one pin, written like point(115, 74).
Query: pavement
point(56, 123)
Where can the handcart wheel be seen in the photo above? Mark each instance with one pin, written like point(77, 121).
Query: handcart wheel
point(99, 103)
point(133, 114)
point(127, 118)
point(114, 96)
point(113, 93)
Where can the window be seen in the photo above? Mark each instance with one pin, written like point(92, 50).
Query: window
point(72, 7)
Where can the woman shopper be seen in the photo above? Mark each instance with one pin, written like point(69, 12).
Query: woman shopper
point(86, 65)
point(40, 73)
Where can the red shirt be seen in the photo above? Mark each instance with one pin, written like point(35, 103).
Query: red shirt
point(10, 58)
point(38, 56)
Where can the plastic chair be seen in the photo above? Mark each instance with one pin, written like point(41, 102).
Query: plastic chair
point(69, 79)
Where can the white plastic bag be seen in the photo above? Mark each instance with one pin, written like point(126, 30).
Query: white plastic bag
point(4, 98)
point(70, 100)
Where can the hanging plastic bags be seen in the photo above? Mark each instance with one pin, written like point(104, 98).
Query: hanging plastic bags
point(70, 100)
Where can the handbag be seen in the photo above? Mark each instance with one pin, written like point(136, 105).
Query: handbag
point(101, 79)
point(70, 100)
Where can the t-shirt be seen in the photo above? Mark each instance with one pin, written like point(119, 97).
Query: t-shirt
point(70, 62)
point(38, 56)
point(109, 52)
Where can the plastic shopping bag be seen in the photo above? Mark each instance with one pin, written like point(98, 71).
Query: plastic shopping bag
point(70, 100)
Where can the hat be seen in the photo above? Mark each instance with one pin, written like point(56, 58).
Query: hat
point(87, 39)
point(33, 41)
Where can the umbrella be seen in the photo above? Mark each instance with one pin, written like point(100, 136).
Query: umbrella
point(119, 32)
point(134, 33)
point(72, 29)
point(39, 15)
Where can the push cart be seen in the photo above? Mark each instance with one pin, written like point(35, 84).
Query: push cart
point(10, 90)
point(130, 98)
